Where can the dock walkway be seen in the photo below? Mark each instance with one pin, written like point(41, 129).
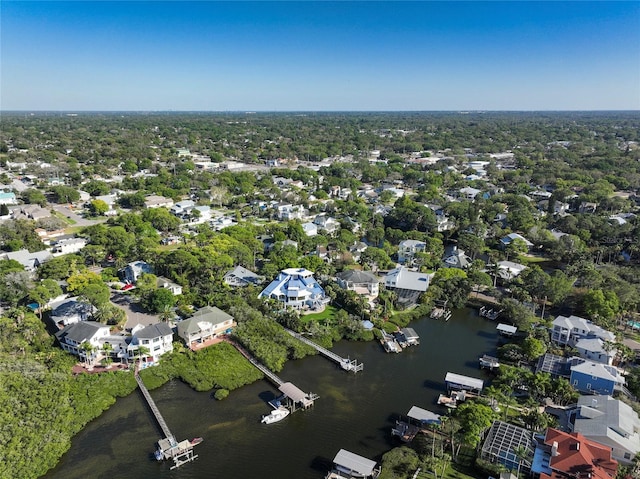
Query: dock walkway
point(168, 447)
point(345, 363)
point(154, 409)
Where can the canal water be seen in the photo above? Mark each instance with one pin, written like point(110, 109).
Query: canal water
point(354, 412)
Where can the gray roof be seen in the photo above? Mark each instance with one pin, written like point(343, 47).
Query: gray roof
point(464, 381)
point(154, 331)
point(423, 415)
point(79, 332)
point(355, 463)
point(405, 279)
point(355, 276)
point(244, 274)
point(209, 314)
point(293, 392)
point(71, 307)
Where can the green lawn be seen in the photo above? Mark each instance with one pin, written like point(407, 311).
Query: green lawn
point(530, 259)
point(328, 313)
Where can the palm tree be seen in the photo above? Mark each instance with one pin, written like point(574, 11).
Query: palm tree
point(88, 349)
point(522, 453)
point(106, 351)
point(142, 351)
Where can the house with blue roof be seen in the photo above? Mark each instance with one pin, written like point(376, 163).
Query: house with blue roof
point(296, 288)
point(590, 377)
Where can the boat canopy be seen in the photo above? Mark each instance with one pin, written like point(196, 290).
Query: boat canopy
point(354, 463)
point(423, 415)
point(454, 380)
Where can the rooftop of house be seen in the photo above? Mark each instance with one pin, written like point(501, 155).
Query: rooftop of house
point(80, 332)
point(154, 331)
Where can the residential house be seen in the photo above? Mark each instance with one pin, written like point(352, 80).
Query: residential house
point(133, 270)
point(182, 208)
point(408, 249)
point(30, 261)
point(590, 377)
point(363, 283)
point(296, 288)
point(357, 249)
point(156, 338)
point(288, 212)
point(71, 311)
point(68, 246)
point(609, 422)
point(468, 193)
point(156, 201)
point(457, 258)
point(310, 229)
point(74, 335)
point(595, 349)
point(327, 224)
point(572, 456)
point(502, 445)
point(511, 237)
point(444, 223)
point(111, 201)
point(205, 324)
point(165, 283)
point(407, 284)
point(241, 277)
point(8, 198)
point(507, 270)
point(31, 212)
point(567, 331)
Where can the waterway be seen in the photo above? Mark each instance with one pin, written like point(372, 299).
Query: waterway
point(354, 412)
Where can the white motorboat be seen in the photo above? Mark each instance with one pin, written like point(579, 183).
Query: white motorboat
point(276, 415)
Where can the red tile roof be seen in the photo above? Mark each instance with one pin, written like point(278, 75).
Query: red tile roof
point(578, 457)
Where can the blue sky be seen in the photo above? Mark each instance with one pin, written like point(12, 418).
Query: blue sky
point(283, 56)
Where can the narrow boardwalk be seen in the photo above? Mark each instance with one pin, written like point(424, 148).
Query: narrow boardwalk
point(345, 363)
point(266, 371)
point(154, 409)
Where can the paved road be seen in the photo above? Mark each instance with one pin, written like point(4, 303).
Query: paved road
point(80, 221)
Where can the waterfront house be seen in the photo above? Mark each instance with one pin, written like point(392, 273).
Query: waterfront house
point(133, 270)
point(363, 283)
point(507, 270)
point(205, 324)
point(157, 338)
point(609, 422)
point(563, 455)
point(567, 331)
point(590, 377)
point(296, 288)
point(72, 337)
point(408, 285)
point(502, 440)
point(310, 229)
point(241, 277)
point(596, 350)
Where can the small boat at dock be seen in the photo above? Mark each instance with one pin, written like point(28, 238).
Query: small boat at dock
point(276, 415)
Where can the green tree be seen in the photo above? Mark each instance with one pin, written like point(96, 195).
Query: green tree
point(98, 207)
point(474, 418)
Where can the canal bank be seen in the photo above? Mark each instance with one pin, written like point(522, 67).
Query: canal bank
point(355, 412)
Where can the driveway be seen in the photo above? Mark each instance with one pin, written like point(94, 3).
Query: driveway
point(135, 314)
point(79, 220)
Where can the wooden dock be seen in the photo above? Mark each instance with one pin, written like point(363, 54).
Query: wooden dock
point(345, 363)
point(168, 448)
point(294, 395)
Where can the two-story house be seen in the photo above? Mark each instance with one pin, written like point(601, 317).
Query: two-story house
point(205, 324)
point(156, 338)
point(567, 331)
point(609, 422)
point(133, 270)
point(363, 283)
point(590, 377)
point(73, 336)
point(296, 288)
point(408, 249)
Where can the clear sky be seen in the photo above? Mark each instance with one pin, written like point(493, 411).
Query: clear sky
point(283, 56)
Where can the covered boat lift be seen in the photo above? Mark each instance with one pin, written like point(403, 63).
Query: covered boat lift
point(297, 396)
point(459, 382)
point(506, 329)
point(423, 416)
point(347, 464)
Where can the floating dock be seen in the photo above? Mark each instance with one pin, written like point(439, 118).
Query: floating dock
point(489, 313)
point(345, 363)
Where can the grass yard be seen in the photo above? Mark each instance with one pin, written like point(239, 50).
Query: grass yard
point(328, 314)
